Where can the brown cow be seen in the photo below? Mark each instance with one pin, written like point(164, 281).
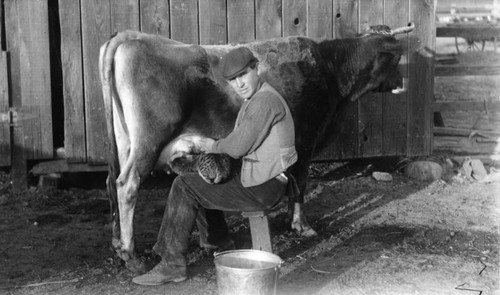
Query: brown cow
point(156, 90)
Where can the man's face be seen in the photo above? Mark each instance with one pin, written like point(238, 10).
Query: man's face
point(246, 83)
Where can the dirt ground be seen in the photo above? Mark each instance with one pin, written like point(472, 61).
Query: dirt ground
point(395, 237)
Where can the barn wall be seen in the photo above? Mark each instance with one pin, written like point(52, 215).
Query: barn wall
point(29, 71)
point(377, 125)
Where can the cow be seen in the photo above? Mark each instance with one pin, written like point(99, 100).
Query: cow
point(157, 90)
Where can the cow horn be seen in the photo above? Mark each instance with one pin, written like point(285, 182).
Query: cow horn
point(403, 30)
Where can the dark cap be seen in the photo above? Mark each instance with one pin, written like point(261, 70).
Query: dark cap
point(236, 61)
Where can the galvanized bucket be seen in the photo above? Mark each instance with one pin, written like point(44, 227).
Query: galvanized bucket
point(247, 272)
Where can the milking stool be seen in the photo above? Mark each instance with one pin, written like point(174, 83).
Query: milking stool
point(259, 229)
point(259, 222)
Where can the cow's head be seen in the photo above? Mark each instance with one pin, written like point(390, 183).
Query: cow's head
point(365, 63)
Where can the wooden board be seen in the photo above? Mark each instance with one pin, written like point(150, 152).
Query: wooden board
point(1, 26)
point(124, 15)
point(370, 106)
point(395, 105)
point(213, 26)
point(35, 78)
point(184, 21)
point(96, 30)
point(467, 71)
point(320, 19)
point(155, 17)
point(240, 21)
point(18, 168)
point(346, 146)
point(294, 18)
point(473, 32)
point(346, 18)
point(421, 79)
point(71, 59)
point(5, 150)
point(268, 19)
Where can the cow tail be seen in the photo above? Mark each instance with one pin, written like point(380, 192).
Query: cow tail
point(113, 161)
point(106, 71)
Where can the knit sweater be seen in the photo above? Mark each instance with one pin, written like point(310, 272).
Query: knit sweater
point(263, 137)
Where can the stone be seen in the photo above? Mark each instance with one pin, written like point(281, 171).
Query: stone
point(424, 171)
point(382, 176)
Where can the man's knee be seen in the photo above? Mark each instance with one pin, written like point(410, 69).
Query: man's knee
point(183, 184)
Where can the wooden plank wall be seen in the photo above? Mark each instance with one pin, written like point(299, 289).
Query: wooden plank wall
point(378, 125)
point(5, 151)
point(71, 59)
point(27, 29)
point(5, 158)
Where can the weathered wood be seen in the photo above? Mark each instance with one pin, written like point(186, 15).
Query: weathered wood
point(268, 19)
point(467, 71)
point(213, 26)
point(462, 145)
point(71, 59)
point(470, 31)
point(240, 21)
point(18, 169)
point(319, 19)
point(346, 18)
point(1, 26)
point(421, 73)
point(346, 147)
point(184, 21)
point(395, 105)
point(465, 132)
point(155, 17)
point(259, 229)
point(370, 132)
point(96, 30)
point(294, 18)
point(62, 166)
point(5, 157)
point(446, 106)
point(124, 15)
point(35, 78)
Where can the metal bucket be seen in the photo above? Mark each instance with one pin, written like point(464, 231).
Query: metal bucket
point(247, 272)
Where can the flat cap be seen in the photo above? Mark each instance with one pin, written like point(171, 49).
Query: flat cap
point(236, 61)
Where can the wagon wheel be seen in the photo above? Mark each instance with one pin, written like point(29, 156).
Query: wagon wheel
point(470, 45)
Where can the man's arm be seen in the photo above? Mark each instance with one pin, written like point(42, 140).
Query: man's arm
point(263, 111)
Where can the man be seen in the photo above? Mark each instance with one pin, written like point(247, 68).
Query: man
point(263, 137)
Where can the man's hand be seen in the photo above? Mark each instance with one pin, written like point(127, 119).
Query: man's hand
point(205, 144)
point(198, 143)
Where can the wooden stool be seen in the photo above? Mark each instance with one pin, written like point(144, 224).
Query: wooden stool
point(259, 229)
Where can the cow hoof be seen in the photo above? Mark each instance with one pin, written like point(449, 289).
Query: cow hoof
point(140, 265)
point(304, 230)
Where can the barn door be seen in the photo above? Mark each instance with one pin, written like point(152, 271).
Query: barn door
point(27, 43)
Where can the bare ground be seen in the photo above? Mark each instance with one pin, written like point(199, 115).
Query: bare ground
point(397, 237)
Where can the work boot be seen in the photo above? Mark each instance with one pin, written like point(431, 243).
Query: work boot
point(162, 273)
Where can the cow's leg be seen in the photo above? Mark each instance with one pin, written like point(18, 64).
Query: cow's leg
point(113, 204)
point(127, 186)
point(134, 171)
point(299, 221)
point(136, 162)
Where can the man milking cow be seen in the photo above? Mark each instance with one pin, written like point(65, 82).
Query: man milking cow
point(263, 138)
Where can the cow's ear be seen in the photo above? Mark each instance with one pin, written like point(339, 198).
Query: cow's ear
point(410, 44)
